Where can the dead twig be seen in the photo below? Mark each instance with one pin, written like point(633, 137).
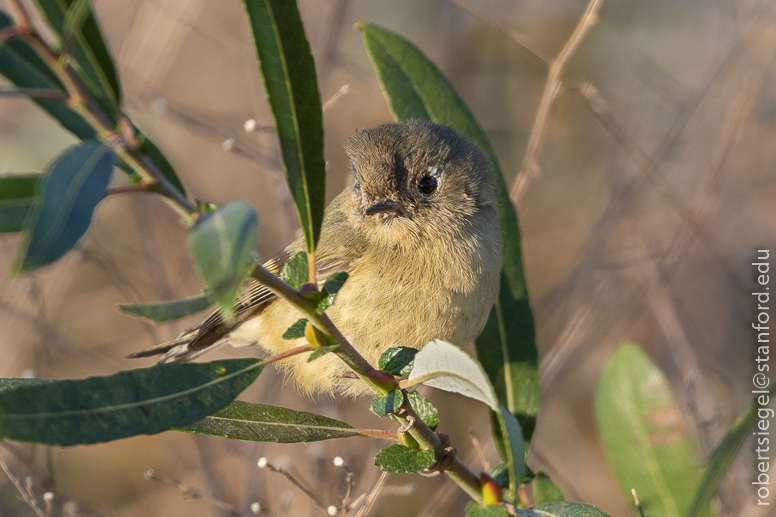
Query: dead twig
point(25, 492)
point(189, 492)
point(551, 90)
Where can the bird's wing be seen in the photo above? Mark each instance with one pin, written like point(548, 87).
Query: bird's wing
point(252, 299)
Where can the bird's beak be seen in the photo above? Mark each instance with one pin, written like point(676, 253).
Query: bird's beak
point(385, 206)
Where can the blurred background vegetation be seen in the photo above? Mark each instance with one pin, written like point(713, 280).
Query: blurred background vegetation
point(654, 188)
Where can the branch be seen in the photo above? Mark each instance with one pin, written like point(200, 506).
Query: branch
point(81, 101)
point(597, 105)
point(551, 89)
point(456, 470)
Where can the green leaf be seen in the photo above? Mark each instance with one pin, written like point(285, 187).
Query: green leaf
point(500, 475)
point(424, 409)
point(17, 382)
point(385, 404)
point(514, 456)
point(296, 330)
point(415, 88)
point(334, 283)
point(17, 197)
point(94, 62)
point(262, 423)
point(149, 149)
point(643, 434)
point(492, 510)
point(330, 289)
point(69, 193)
point(726, 451)
point(141, 401)
point(563, 509)
point(398, 360)
point(75, 17)
point(220, 243)
point(167, 311)
point(321, 351)
point(21, 66)
point(295, 272)
point(398, 458)
point(544, 490)
point(445, 366)
point(288, 71)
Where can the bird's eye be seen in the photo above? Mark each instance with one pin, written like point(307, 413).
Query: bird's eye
point(427, 185)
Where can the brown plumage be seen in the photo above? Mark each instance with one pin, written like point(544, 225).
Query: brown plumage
point(416, 229)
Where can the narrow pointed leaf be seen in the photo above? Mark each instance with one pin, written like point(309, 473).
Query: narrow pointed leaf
point(398, 458)
point(643, 434)
point(149, 149)
point(142, 401)
point(22, 67)
point(167, 311)
point(220, 243)
point(89, 51)
point(726, 451)
point(415, 88)
point(75, 17)
point(17, 197)
point(262, 423)
point(288, 71)
point(68, 195)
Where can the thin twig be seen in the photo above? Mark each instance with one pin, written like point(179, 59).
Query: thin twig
point(346, 351)
point(263, 463)
point(372, 497)
point(456, 469)
point(350, 482)
point(521, 40)
point(379, 433)
point(27, 495)
point(597, 105)
point(288, 353)
point(638, 503)
point(24, 20)
point(478, 449)
point(189, 492)
point(551, 90)
point(81, 100)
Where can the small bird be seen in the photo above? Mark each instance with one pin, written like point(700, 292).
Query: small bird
point(416, 229)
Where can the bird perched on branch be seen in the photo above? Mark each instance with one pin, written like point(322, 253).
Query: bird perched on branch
point(416, 229)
